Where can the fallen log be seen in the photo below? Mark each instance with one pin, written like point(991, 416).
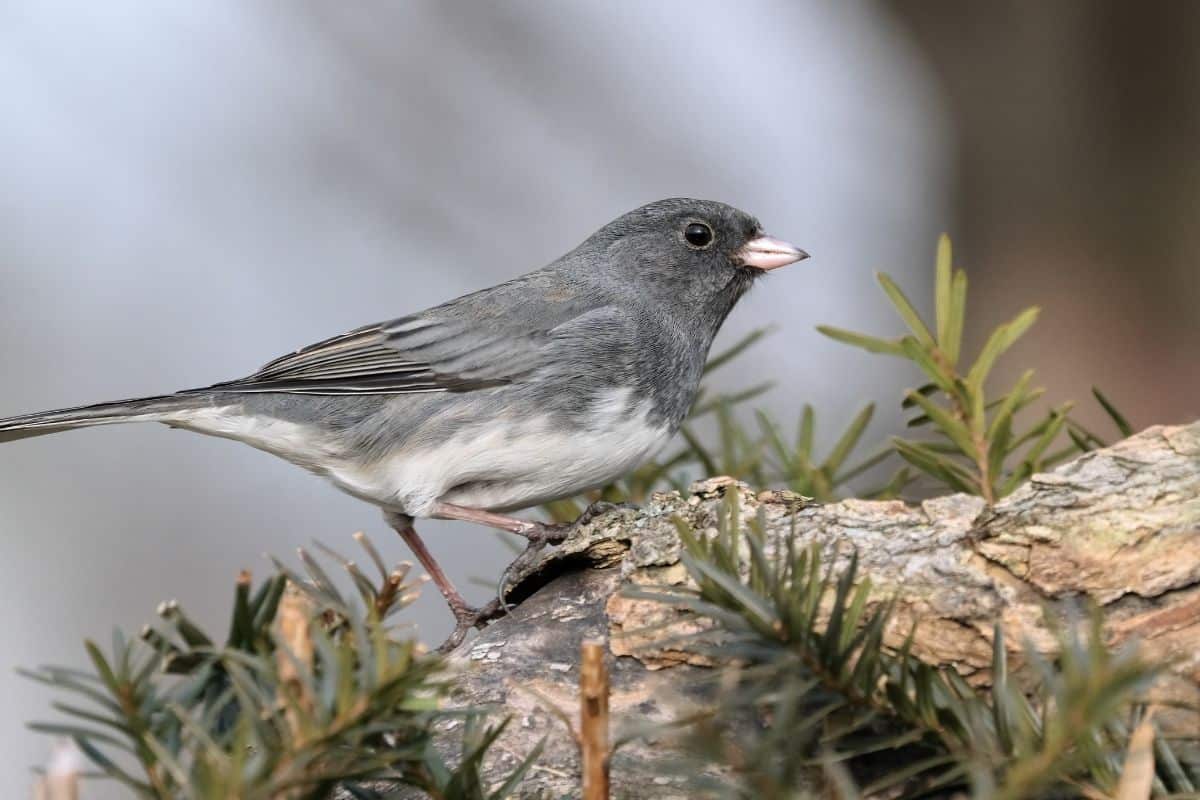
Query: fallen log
point(1118, 527)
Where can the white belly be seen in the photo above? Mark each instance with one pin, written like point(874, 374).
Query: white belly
point(507, 464)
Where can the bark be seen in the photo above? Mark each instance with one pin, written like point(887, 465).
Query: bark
point(1120, 527)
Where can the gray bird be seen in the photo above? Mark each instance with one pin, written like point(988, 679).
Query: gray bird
point(551, 384)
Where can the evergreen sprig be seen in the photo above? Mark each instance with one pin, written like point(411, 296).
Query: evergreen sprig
point(310, 690)
point(980, 447)
point(797, 466)
point(809, 685)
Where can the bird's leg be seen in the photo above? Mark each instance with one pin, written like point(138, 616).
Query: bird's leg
point(539, 534)
point(465, 616)
point(531, 530)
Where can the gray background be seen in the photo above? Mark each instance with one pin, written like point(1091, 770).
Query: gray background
point(191, 190)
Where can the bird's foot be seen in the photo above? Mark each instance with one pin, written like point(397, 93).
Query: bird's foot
point(540, 534)
point(467, 617)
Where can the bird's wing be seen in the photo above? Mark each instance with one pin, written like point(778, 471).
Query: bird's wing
point(450, 348)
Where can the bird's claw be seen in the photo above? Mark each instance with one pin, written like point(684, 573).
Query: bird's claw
point(541, 534)
point(467, 617)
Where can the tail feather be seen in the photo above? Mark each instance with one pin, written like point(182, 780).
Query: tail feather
point(145, 409)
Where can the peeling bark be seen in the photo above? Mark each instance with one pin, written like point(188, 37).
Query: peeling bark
point(1119, 527)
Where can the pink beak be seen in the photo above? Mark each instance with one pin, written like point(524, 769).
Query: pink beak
point(767, 252)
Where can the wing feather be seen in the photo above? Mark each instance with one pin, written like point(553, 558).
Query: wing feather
point(463, 346)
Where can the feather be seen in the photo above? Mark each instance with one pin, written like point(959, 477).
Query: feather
point(452, 348)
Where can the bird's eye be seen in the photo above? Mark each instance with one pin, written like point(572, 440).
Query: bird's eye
point(698, 234)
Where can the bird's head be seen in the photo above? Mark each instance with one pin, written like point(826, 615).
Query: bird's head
point(694, 251)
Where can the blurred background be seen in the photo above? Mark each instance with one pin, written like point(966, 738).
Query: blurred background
point(190, 190)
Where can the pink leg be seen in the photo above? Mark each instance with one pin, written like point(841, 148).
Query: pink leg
point(491, 520)
point(465, 617)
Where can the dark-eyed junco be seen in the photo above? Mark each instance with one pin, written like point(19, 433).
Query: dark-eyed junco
point(555, 382)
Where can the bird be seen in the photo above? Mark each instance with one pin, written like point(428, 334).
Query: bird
point(553, 383)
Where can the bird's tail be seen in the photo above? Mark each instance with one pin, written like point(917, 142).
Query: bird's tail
point(145, 409)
